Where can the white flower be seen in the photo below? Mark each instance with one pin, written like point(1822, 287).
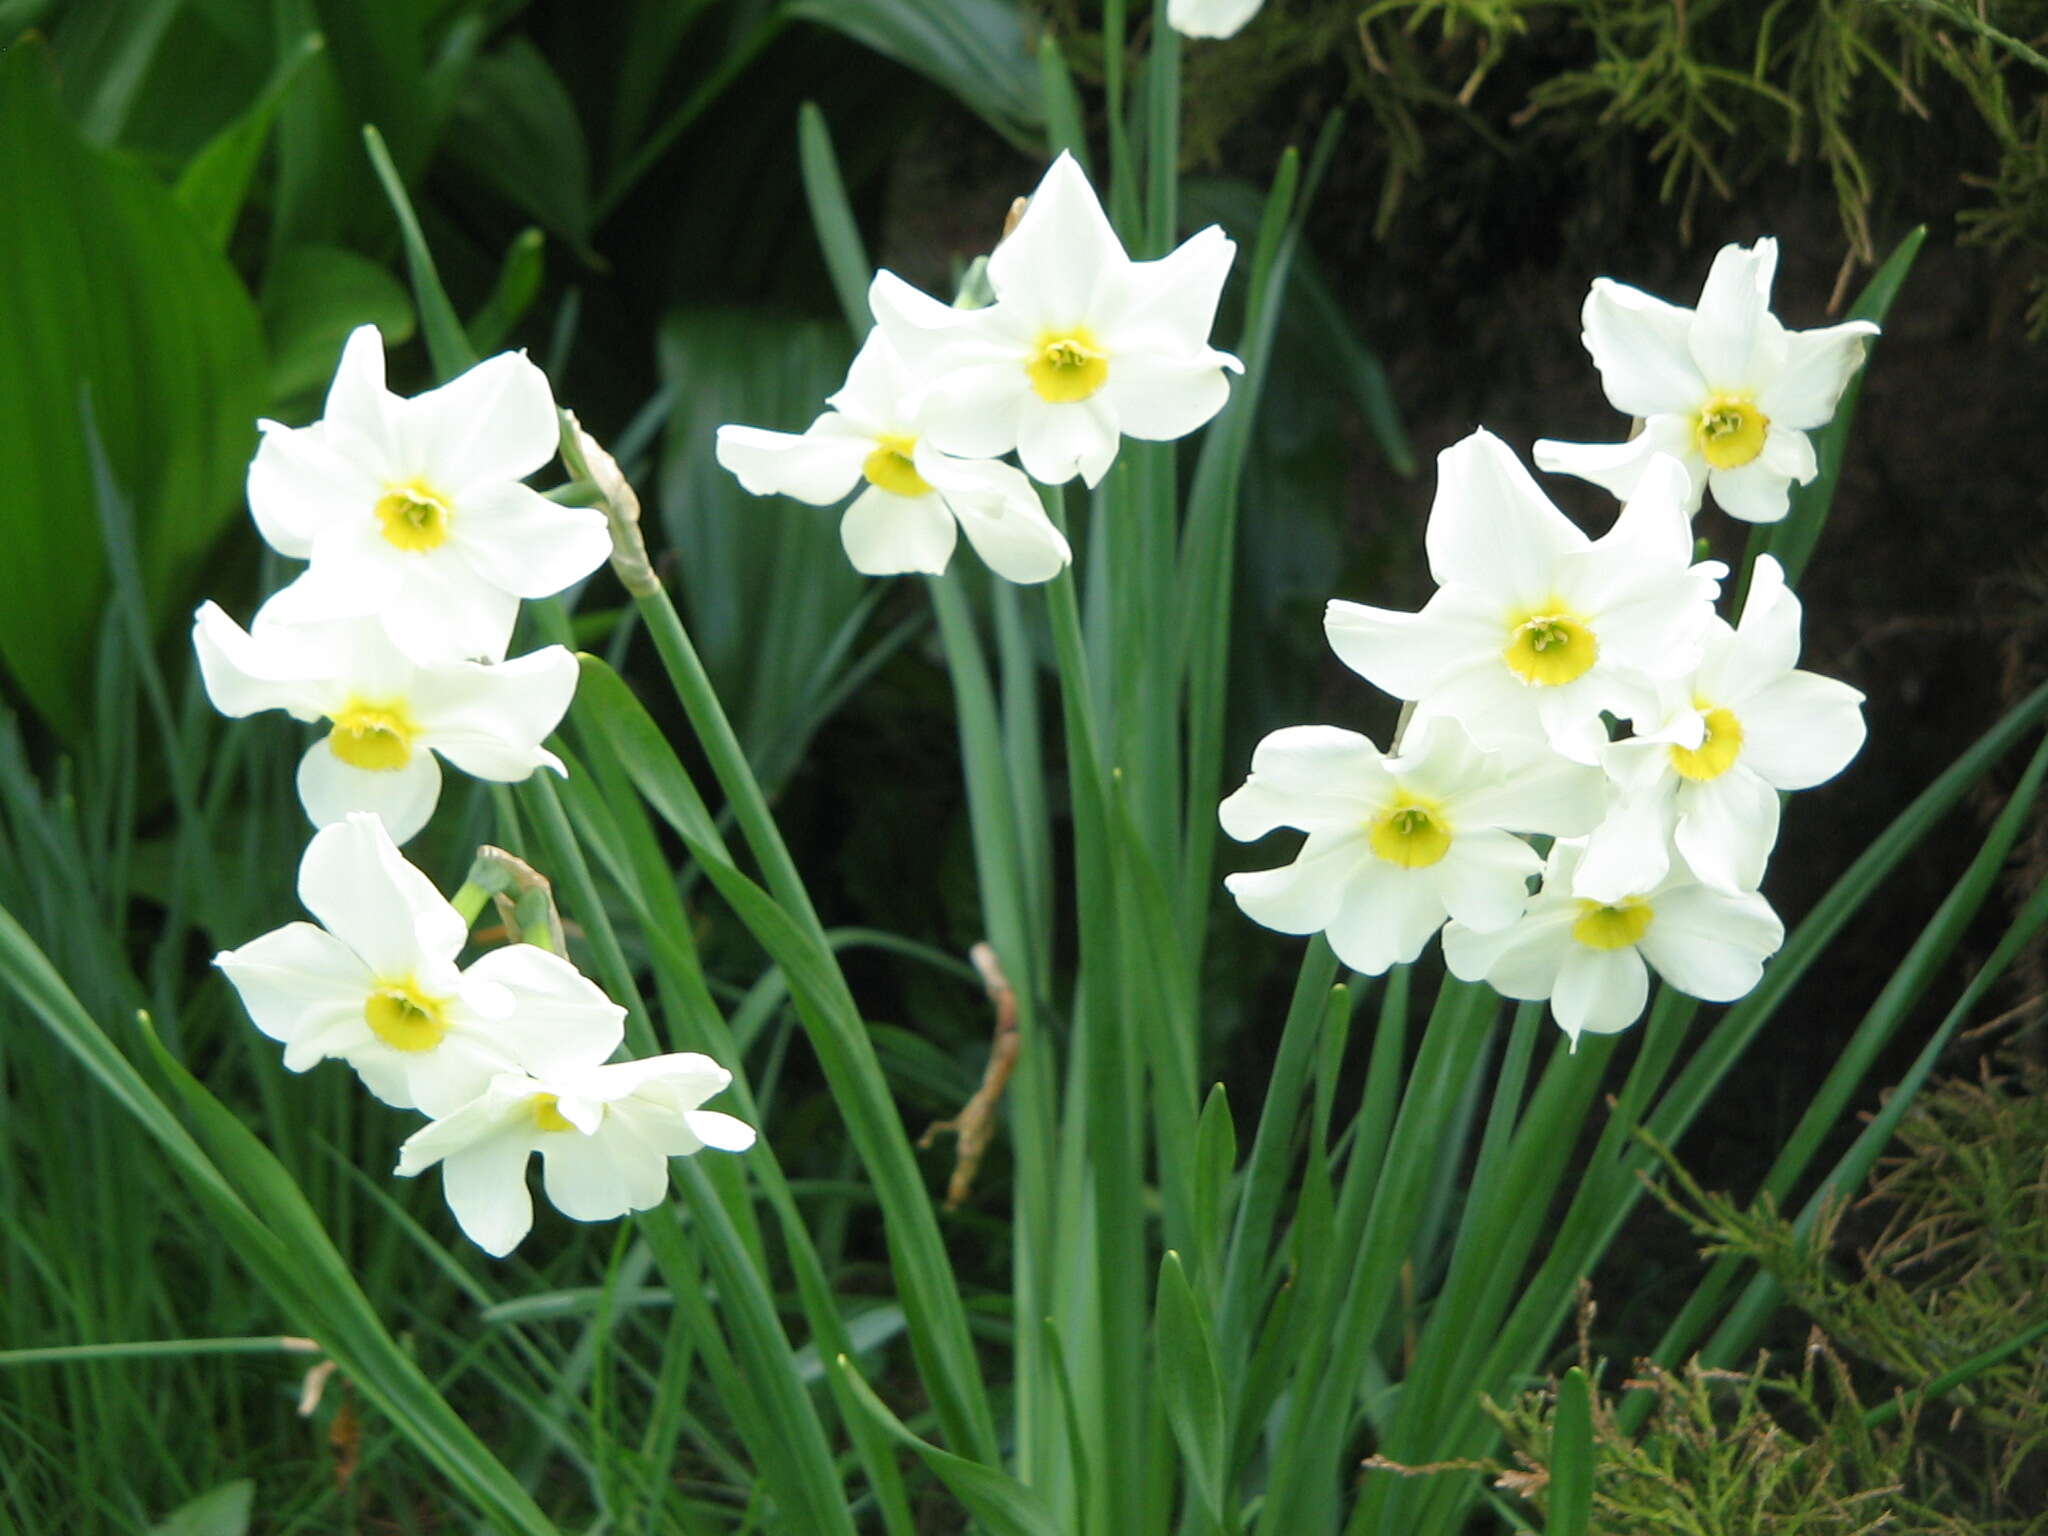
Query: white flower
point(1725, 389)
point(1536, 629)
point(1742, 728)
point(1081, 345)
point(1396, 843)
point(412, 510)
point(916, 496)
point(1589, 957)
point(604, 1134)
point(390, 714)
point(377, 985)
point(1210, 18)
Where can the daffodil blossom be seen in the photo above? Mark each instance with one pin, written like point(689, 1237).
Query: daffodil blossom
point(915, 496)
point(1397, 842)
point(390, 714)
point(376, 984)
point(1536, 629)
point(1592, 959)
point(1742, 728)
point(604, 1135)
point(1725, 389)
point(412, 510)
point(1082, 346)
point(1210, 18)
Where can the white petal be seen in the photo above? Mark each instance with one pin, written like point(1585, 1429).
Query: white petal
point(1763, 647)
point(489, 426)
point(1802, 730)
point(1313, 777)
point(437, 1081)
point(1001, 515)
point(402, 798)
point(489, 721)
point(1818, 366)
point(1639, 345)
point(718, 1130)
point(358, 404)
point(1710, 945)
point(1733, 332)
point(1629, 853)
point(1058, 442)
point(1171, 303)
point(560, 1020)
point(289, 671)
point(972, 404)
point(1410, 654)
point(1755, 493)
point(355, 881)
point(885, 534)
point(816, 466)
point(485, 1184)
point(300, 484)
point(1789, 454)
point(1386, 917)
point(1619, 467)
point(1062, 251)
point(1727, 828)
point(877, 383)
point(443, 610)
point(1534, 793)
point(596, 1178)
point(1484, 879)
point(297, 982)
point(1301, 897)
point(354, 573)
point(1519, 961)
point(522, 543)
point(1160, 397)
point(1599, 991)
point(1210, 18)
point(1491, 527)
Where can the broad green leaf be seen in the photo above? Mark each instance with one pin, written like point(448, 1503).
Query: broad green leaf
point(316, 295)
point(222, 1511)
point(1571, 1458)
point(216, 180)
point(1191, 1385)
point(846, 259)
point(112, 291)
point(518, 285)
point(106, 50)
point(977, 49)
point(515, 128)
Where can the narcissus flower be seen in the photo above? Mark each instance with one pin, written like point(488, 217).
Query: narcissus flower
point(1592, 959)
point(604, 1135)
point(915, 497)
point(1397, 842)
point(412, 509)
point(1210, 18)
point(390, 715)
point(1725, 389)
point(1707, 776)
point(1536, 629)
point(1082, 346)
point(376, 984)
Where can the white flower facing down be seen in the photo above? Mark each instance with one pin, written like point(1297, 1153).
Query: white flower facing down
point(376, 984)
point(412, 509)
point(1742, 728)
point(1725, 389)
point(1536, 629)
point(1592, 959)
point(1082, 346)
point(391, 715)
point(604, 1135)
point(915, 498)
point(1210, 18)
point(1397, 843)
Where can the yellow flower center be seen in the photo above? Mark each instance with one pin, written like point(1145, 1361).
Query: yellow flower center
point(1411, 832)
point(1549, 646)
point(1600, 926)
point(890, 466)
point(545, 1116)
point(404, 1017)
point(1717, 751)
point(373, 736)
point(414, 517)
point(1067, 366)
point(1730, 431)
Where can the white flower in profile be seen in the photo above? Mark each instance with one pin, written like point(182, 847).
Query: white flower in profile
point(1210, 18)
point(390, 714)
point(1082, 346)
point(412, 509)
point(915, 497)
point(1592, 959)
point(376, 984)
point(1395, 843)
point(1535, 629)
point(1725, 389)
point(604, 1135)
point(1707, 777)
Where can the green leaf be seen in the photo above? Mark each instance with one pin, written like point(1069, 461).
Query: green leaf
point(1571, 1458)
point(1215, 1158)
point(846, 259)
point(112, 291)
point(977, 49)
point(515, 128)
point(447, 343)
point(316, 295)
point(1003, 1505)
point(517, 287)
point(222, 1511)
point(215, 181)
point(1191, 1385)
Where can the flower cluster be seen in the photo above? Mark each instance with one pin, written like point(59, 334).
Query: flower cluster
point(1537, 641)
point(1081, 348)
point(421, 538)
